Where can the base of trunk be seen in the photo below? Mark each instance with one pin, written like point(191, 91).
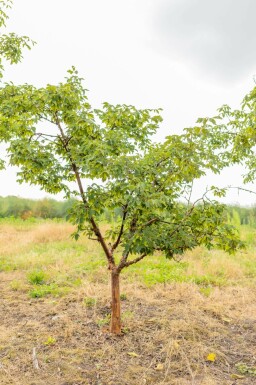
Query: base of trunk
point(115, 326)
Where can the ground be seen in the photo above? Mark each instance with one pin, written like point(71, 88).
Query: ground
point(174, 333)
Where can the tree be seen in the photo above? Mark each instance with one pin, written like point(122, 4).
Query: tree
point(60, 142)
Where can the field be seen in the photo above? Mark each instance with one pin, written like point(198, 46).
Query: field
point(187, 322)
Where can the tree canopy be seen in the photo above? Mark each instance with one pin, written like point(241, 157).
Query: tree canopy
point(56, 138)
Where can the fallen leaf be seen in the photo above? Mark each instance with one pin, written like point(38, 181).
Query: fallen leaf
point(211, 357)
point(159, 367)
point(227, 320)
point(132, 354)
point(237, 376)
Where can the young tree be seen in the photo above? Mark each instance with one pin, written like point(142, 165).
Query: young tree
point(106, 158)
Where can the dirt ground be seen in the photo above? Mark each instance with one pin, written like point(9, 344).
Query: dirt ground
point(173, 334)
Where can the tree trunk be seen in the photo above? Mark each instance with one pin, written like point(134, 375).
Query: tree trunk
point(115, 326)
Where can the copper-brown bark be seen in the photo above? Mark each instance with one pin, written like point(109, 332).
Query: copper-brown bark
point(115, 326)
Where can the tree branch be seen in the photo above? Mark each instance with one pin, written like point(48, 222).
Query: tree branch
point(126, 264)
point(115, 245)
point(242, 189)
point(75, 169)
point(45, 118)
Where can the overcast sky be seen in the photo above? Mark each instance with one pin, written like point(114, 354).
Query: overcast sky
point(187, 56)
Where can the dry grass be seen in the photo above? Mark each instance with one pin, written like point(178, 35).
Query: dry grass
point(13, 238)
point(169, 328)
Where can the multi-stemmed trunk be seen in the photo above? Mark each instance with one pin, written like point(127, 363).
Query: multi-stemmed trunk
point(115, 326)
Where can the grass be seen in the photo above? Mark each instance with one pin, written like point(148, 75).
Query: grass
point(55, 297)
point(35, 248)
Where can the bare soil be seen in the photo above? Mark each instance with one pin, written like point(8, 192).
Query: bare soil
point(169, 331)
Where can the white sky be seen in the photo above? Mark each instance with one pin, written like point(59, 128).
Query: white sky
point(186, 56)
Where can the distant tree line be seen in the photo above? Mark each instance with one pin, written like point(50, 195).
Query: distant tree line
point(16, 207)
point(47, 208)
point(239, 215)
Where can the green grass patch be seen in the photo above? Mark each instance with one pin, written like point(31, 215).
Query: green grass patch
point(90, 302)
point(37, 277)
point(47, 290)
point(157, 269)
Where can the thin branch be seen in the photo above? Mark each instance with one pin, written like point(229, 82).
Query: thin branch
point(115, 245)
point(150, 222)
point(42, 135)
point(190, 194)
point(47, 119)
point(123, 261)
point(126, 264)
point(50, 136)
point(243, 189)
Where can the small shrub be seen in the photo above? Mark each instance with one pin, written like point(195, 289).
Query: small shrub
point(15, 285)
point(123, 297)
point(37, 277)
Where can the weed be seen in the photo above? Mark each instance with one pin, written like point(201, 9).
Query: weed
point(123, 297)
point(207, 280)
point(37, 277)
point(6, 265)
point(206, 291)
point(104, 321)
point(15, 285)
point(127, 315)
point(44, 290)
point(250, 269)
point(50, 341)
point(89, 302)
point(245, 369)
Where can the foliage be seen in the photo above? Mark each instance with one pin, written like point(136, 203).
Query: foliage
point(232, 133)
point(37, 277)
point(11, 45)
point(56, 138)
